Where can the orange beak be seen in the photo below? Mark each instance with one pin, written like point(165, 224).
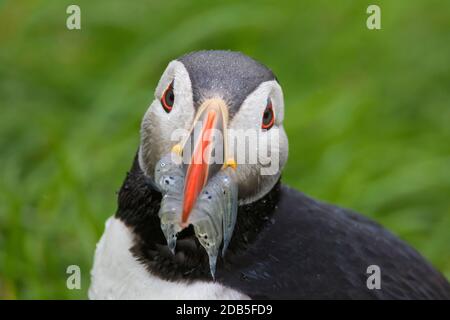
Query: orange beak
point(211, 119)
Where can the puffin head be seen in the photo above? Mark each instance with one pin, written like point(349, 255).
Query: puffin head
point(219, 115)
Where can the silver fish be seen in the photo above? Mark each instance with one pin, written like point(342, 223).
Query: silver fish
point(169, 178)
point(214, 214)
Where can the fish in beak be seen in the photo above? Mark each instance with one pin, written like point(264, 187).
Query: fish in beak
point(199, 185)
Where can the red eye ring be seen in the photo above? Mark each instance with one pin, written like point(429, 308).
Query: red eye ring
point(268, 116)
point(168, 98)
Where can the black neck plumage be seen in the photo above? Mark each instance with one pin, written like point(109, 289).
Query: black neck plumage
point(138, 206)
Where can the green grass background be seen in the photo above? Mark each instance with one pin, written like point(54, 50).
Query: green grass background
point(367, 114)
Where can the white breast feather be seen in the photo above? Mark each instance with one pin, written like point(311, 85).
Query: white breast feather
point(116, 274)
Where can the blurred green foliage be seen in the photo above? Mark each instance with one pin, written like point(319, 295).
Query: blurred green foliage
point(367, 114)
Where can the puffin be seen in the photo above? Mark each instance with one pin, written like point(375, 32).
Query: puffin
point(198, 219)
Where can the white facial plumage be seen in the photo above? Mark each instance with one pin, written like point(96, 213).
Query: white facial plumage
point(158, 126)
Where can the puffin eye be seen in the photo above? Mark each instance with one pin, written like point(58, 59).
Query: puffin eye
point(168, 98)
point(268, 117)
